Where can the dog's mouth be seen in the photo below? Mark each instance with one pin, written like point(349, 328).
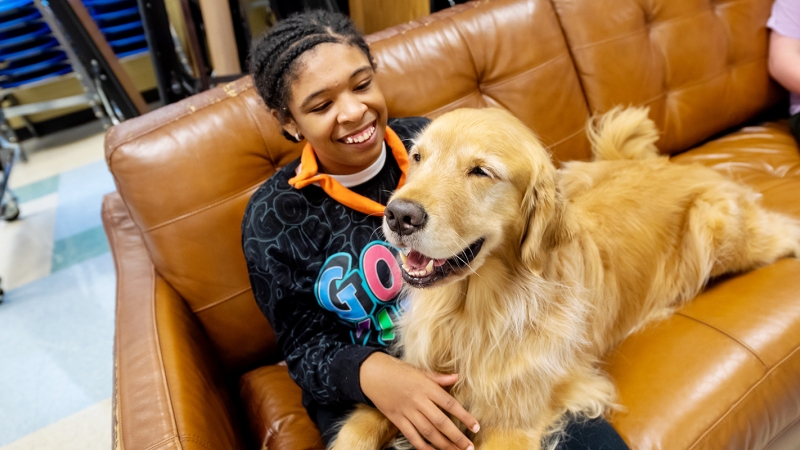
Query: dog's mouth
point(421, 271)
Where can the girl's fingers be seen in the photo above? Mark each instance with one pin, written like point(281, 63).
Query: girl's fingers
point(410, 432)
point(442, 379)
point(447, 427)
point(429, 431)
point(449, 404)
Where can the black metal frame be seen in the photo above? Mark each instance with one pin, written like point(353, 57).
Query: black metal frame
point(175, 82)
point(118, 103)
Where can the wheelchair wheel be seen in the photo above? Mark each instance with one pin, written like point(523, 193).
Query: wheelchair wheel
point(10, 208)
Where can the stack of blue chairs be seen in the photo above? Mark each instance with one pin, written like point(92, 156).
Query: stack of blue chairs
point(121, 24)
point(29, 52)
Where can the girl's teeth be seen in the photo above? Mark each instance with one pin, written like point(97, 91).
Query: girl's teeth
point(361, 137)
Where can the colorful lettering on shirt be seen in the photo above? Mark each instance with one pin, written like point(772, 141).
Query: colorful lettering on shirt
point(359, 296)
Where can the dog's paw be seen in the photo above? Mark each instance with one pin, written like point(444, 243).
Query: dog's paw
point(365, 429)
point(347, 441)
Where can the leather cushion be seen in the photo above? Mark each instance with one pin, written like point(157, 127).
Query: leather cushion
point(701, 65)
point(721, 373)
point(275, 412)
point(766, 157)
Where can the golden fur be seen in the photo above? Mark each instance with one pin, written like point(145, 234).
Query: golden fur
point(572, 261)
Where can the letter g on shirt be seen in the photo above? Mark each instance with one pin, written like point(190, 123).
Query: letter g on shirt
point(365, 297)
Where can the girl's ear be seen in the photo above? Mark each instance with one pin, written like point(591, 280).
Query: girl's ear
point(289, 127)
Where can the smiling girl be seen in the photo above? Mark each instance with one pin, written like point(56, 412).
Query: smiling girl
point(320, 269)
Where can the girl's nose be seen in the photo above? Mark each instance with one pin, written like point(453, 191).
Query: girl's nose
point(353, 110)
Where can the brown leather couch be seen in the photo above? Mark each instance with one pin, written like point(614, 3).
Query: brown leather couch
point(196, 362)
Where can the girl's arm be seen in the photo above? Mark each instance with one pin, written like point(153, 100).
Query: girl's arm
point(784, 61)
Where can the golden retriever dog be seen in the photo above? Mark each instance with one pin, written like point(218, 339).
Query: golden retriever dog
point(521, 276)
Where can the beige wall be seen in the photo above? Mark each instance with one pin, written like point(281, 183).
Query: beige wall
point(375, 15)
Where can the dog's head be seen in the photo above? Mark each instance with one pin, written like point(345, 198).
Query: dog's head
point(480, 185)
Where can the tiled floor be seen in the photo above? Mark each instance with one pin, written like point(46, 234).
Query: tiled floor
point(57, 320)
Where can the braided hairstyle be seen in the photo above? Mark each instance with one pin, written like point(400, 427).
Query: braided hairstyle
point(273, 55)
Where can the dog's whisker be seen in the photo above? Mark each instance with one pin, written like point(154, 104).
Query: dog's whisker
point(377, 231)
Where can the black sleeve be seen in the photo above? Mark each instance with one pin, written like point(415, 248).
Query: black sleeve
point(408, 128)
point(283, 260)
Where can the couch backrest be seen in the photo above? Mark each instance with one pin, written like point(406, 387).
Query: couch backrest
point(505, 53)
point(701, 65)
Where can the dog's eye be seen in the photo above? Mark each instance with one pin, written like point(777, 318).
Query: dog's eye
point(416, 157)
point(478, 172)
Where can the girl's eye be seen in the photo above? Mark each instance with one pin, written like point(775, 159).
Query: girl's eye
point(363, 86)
point(416, 157)
point(477, 171)
point(321, 107)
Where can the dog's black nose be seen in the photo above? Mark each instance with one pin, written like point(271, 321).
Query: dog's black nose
point(404, 217)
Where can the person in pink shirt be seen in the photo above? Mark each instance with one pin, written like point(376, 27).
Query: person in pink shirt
point(784, 54)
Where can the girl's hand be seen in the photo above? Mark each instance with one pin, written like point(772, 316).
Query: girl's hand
point(411, 399)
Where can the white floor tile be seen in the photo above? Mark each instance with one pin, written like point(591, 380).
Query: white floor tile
point(89, 429)
point(60, 152)
point(26, 244)
point(56, 346)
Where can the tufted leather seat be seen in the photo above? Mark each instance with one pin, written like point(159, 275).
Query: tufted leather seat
point(196, 362)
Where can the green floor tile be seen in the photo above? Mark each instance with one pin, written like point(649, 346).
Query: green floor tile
point(38, 189)
point(79, 247)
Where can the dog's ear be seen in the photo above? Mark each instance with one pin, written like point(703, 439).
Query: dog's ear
point(544, 208)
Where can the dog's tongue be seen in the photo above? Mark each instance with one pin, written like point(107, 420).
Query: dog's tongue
point(418, 261)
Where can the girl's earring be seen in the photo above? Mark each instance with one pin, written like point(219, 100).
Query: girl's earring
point(295, 138)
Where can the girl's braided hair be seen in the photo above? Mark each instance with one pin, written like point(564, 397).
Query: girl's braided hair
point(273, 55)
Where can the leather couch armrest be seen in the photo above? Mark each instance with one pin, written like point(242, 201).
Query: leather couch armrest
point(169, 388)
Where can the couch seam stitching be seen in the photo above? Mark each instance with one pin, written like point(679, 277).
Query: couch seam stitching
point(112, 244)
point(223, 300)
point(720, 330)
point(648, 26)
point(161, 442)
point(610, 39)
point(566, 138)
point(450, 104)
point(161, 361)
point(204, 208)
point(196, 439)
point(575, 69)
point(505, 80)
point(261, 132)
point(725, 71)
point(741, 399)
point(469, 50)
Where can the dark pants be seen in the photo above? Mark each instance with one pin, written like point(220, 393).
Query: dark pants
point(596, 434)
point(794, 125)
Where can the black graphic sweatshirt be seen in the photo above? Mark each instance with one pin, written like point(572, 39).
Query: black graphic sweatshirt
point(326, 280)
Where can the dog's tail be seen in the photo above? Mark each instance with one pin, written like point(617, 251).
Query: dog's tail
point(623, 134)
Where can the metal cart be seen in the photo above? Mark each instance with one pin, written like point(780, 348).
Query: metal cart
point(9, 151)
